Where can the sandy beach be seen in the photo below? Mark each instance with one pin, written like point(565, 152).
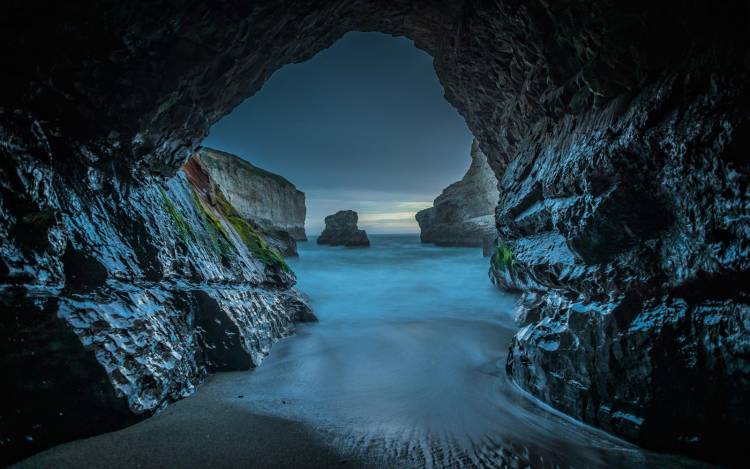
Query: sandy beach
point(209, 429)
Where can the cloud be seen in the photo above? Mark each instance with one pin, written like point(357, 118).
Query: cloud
point(379, 212)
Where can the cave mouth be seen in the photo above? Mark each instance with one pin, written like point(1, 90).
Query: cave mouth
point(615, 130)
point(360, 126)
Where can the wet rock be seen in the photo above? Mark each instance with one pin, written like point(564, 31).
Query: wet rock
point(54, 386)
point(464, 213)
point(617, 365)
point(270, 202)
point(298, 307)
point(136, 293)
point(219, 336)
point(617, 129)
point(635, 281)
point(341, 230)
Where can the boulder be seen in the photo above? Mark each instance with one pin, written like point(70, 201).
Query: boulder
point(341, 230)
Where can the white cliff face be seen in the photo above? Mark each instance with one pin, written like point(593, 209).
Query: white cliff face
point(267, 199)
point(464, 213)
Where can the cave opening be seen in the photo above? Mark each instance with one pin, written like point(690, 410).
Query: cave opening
point(360, 126)
point(364, 125)
point(616, 131)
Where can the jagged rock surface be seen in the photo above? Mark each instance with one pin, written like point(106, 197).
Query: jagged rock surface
point(617, 129)
point(464, 213)
point(341, 230)
point(271, 202)
point(118, 299)
point(636, 304)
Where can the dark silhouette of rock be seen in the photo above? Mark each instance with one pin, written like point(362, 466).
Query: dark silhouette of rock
point(341, 230)
point(464, 213)
point(618, 131)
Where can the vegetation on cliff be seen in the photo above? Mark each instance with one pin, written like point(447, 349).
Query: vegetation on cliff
point(215, 210)
point(503, 257)
point(249, 235)
point(217, 233)
point(183, 228)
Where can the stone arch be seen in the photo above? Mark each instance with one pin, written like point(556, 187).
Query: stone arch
point(614, 128)
point(145, 82)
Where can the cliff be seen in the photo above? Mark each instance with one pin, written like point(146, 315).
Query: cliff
point(272, 203)
point(341, 230)
point(464, 213)
point(118, 299)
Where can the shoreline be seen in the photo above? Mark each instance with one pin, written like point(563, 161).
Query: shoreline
point(206, 429)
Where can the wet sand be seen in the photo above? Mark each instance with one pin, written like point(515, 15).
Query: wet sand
point(209, 429)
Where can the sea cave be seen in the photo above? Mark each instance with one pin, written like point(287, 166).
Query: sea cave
point(148, 275)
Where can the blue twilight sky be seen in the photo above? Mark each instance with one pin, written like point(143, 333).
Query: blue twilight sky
point(361, 126)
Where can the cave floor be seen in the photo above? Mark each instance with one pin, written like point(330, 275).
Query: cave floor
point(201, 431)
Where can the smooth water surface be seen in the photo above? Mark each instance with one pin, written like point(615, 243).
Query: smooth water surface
point(407, 366)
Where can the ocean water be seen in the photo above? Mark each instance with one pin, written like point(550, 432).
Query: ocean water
point(406, 367)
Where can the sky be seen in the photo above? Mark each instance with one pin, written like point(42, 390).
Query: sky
point(361, 126)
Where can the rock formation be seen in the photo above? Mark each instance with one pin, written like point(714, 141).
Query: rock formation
point(270, 202)
point(618, 131)
point(636, 316)
point(341, 230)
point(464, 213)
point(120, 298)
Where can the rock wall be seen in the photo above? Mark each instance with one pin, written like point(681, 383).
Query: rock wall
point(119, 298)
point(617, 129)
point(628, 232)
point(464, 213)
point(271, 202)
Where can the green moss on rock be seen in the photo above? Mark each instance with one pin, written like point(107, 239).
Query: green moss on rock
point(254, 242)
point(217, 233)
point(183, 228)
point(503, 257)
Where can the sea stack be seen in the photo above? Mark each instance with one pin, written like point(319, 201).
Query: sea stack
point(341, 230)
point(464, 213)
point(269, 201)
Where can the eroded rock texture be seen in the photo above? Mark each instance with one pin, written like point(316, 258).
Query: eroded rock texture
point(618, 131)
point(464, 213)
point(119, 298)
point(271, 202)
point(341, 230)
point(629, 233)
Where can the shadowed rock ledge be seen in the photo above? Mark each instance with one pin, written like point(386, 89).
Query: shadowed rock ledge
point(464, 213)
point(273, 204)
point(341, 230)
